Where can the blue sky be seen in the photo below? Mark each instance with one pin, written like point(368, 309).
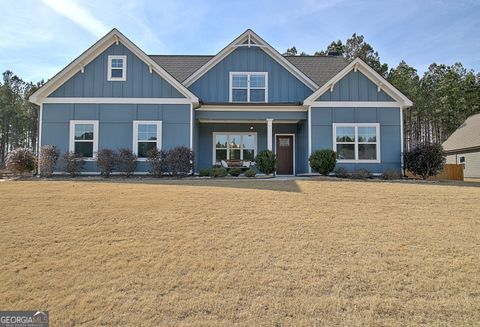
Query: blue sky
point(40, 37)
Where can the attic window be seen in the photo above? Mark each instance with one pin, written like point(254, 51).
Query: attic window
point(117, 68)
point(248, 87)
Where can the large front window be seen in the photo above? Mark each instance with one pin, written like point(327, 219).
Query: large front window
point(234, 146)
point(249, 87)
point(357, 142)
point(84, 138)
point(146, 136)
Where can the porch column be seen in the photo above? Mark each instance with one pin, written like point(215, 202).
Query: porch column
point(269, 134)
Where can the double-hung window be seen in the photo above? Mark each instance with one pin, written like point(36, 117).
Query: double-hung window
point(147, 135)
point(234, 146)
point(84, 138)
point(117, 68)
point(249, 87)
point(357, 142)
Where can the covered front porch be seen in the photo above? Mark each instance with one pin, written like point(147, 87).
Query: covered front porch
point(227, 135)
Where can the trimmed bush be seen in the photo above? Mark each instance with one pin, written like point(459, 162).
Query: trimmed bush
point(49, 155)
point(391, 174)
point(361, 174)
point(266, 162)
point(204, 172)
point(341, 172)
point(235, 172)
point(425, 160)
point(323, 161)
point(250, 172)
point(20, 160)
point(219, 172)
point(180, 161)
point(158, 162)
point(106, 162)
point(72, 163)
point(126, 162)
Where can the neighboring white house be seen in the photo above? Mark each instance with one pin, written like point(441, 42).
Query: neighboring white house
point(463, 146)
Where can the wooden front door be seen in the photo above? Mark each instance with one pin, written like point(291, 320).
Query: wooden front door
point(284, 144)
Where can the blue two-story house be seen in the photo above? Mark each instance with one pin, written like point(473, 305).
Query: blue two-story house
point(228, 106)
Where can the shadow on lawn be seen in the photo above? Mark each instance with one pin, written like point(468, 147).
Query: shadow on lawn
point(270, 184)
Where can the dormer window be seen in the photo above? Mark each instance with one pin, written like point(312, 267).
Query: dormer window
point(117, 68)
point(249, 87)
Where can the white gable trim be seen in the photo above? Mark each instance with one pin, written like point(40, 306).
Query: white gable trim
point(114, 36)
point(251, 36)
point(359, 65)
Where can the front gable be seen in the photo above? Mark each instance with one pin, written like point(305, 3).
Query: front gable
point(283, 86)
point(86, 76)
point(140, 81)
point(355, 86)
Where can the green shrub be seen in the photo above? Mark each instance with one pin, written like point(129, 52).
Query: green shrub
point(425, 160)
point(341, 172)
point(158, 162)
point(361, 173)
point(20, 160)
point(205, 172)
point(391, 174)
point(49, 155)
point(323, 161)
point(219, 172)
point(73, 163)
point(106, 162)
point(250, 172)
point(266, 162)
point(235, 172)
point(126, 162)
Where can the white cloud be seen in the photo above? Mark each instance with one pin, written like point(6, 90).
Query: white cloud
point(79, 15)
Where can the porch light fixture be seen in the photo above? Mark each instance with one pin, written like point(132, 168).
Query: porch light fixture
point(251, 127)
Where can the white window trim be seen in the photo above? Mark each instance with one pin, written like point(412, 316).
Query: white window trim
point(135, 135)
point(228, 152)
point(124, 69)
point(356, 126)
point(71, 147)
point(230, 87)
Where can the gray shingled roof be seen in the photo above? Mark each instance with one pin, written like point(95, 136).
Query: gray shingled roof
point(319, 69)
point(180, 66)
point(466, 136)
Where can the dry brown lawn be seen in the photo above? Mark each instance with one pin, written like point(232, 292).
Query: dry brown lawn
point(243, 253)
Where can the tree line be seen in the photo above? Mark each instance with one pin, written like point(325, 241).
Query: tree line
point(443, 97)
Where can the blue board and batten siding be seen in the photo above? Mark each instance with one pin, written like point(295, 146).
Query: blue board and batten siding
point(355, 87)
point(115, 125)
point(282, 85)
point(140, 83)
point(390, 133)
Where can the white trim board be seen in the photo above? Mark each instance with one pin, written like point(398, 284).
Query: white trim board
point(114, 36)
point(104, 100)
point(252, 108)
point(250, 36)
point(244, 121)
point(294, 150)
point(357, 104)
point(371, 74)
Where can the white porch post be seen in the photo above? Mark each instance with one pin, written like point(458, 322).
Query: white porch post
point(269, 134)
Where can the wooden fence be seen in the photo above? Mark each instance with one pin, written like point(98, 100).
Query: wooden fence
point(452, 172)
